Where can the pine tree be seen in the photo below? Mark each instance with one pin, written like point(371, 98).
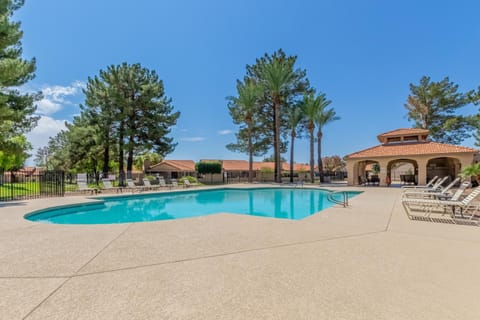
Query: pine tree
point(127, 104)
point(436, 106)
point(16, 108)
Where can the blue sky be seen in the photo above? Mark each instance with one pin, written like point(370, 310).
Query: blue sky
point(362, 54)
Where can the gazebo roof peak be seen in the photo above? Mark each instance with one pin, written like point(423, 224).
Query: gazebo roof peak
point(400, 134)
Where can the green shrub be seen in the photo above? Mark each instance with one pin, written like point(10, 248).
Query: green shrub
point(209, 167)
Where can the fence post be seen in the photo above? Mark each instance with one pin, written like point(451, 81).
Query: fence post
point(11, 185)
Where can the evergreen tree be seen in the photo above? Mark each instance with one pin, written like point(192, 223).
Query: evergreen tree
point(16, 108)
point(436, 106)
point(128, 105)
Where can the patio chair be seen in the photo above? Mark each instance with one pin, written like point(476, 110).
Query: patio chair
point(173, 183)
point(435, 187)
point(362, 181)
point(188, 184)
point(107, 185)
point(456, 196)
point(457, 211)
point(428, 185)
point(149, 185)
point(162, 183)
point(133, 187)
point(427, 193)
point(82, 177)
point(84, 188)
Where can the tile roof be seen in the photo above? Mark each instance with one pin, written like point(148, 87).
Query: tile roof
point(260, 165)
point(409, 149)
point(235, 165)
point(181, 165)
point(242, 165)
point(404, 131)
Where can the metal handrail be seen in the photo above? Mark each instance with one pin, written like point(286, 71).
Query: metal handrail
point(343, 202)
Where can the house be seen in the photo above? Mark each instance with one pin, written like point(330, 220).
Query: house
point(172, 169)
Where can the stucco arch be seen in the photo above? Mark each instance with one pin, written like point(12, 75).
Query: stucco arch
point(361, 170)
point(408, 177)
point(443, 166)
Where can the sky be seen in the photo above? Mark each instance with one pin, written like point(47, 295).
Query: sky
point(362, 54)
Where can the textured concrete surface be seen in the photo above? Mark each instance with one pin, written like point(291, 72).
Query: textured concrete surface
point(367, 261)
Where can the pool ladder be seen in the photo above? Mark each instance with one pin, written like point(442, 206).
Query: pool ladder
point(343, 202)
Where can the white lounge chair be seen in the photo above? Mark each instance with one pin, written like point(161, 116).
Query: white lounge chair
point(149, 185)
point(133, 187)
point(83, 187)
point(428, 193)
point(435, 187)
point(456, 196)
point(188, 184)
point(107, 185)
point(452, 211)
point(162, 183)
point(428, 185)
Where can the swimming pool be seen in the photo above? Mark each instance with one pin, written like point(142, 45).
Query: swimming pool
point(284, 203)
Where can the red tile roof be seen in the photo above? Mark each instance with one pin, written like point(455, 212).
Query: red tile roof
point(261, 165)
point(181, 165)
point(404, 131)
point(242, 165)
point(235, 165)
point(409, 149)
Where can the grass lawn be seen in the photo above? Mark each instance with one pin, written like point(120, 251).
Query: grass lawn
point(21, 188)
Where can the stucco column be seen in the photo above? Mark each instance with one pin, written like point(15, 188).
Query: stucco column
point(422, 171)
point(382, 175)
point(352, 175)
point(465, 162)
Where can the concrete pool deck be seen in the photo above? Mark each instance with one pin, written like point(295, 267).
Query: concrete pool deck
point(367, 261)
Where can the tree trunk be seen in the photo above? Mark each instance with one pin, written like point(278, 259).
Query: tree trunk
point(129, 164)
point(319, 148)
point(291, 156)
point(250, 154)
point(121, 143)
point(130, 157)
point(106, 155)
point(276, 142)
point(312, 160)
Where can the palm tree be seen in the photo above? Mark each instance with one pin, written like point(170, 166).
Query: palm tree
point(294, 118)
point(324, 117)
point(277, 77)
point(310, 109)
point(243, 109)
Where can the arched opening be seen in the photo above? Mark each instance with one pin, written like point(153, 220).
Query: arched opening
point(442, 167)
point(402, 171)
point(367, 172)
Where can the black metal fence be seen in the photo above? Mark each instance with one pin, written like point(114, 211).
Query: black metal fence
point(31, 184)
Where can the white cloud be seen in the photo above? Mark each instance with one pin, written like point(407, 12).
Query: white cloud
point(192, 139)
point(55, 97)
point(46, 106)
point(224, 132)
point(47, 127)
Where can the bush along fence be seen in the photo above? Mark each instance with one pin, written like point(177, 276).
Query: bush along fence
point(31, 184)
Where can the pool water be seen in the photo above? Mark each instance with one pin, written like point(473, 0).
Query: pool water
point(284, 203)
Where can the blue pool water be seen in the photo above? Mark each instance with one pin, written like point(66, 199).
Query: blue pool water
point(282, 203)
